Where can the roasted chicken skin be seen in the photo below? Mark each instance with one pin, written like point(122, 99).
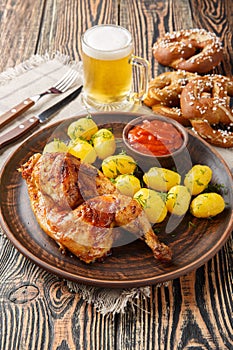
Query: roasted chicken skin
point(76, 205)
point(66, 180)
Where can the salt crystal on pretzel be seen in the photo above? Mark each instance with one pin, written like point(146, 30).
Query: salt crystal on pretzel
point(193, 50)
point(206, 101)
point(164, 92)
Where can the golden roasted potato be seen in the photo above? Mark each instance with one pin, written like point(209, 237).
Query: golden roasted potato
point(161, 179)
point(152, 204)
point(206, 205)
point(55, 146)
point(104, 143)
point(82, 128)
point(118, 164)
point(127, 184)
point(83, 150)
point(198, 178)
point(178, 200)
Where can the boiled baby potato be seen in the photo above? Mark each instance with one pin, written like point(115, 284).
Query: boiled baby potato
point(127, 184)
point(82, 128)
point(178, 200)
point(206, 205)
point(104, 143)
point(152, 204)
point(198, 178)
point(118, 164)
point(161, 179)
point(83, 150)
point(55, 146)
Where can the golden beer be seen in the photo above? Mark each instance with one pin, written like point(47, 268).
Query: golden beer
point(107, 54)
point(107, 81)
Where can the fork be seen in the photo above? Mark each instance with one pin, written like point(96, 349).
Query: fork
point(59, 87)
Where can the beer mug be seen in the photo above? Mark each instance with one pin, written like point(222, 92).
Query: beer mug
point(107, 54)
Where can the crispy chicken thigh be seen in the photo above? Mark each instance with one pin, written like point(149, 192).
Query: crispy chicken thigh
point(76, 205)
point(69, 182)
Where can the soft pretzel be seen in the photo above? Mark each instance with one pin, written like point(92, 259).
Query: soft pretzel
point(206, 101)
point(172, 113)
point(193, 50)
point(164, 94)
point(208, 97)
point(220, 138)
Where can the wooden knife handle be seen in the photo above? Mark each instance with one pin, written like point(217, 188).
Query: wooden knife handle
point(18, 131)
point(14, 112)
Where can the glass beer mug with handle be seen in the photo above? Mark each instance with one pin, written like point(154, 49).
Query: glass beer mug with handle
point(107, 54)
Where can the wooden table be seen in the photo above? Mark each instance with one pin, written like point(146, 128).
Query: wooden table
point(194, 311)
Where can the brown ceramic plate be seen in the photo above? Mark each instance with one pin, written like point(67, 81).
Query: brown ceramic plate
point(193, 242)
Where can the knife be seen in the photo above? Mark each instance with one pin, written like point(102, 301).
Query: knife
point(32, 122)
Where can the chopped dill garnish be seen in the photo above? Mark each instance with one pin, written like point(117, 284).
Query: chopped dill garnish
point(191, 224)
point(156, 230)
point(217, 188)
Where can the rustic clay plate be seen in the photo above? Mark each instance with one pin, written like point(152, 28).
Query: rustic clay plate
point(193, 242)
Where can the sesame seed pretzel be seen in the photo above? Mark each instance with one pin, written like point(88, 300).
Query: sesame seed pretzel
point(206, 101)
point(163, 94)
point(193, 50)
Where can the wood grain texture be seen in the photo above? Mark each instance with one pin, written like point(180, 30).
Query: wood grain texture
point(183, 315)
point(20, 29)
point(70, 19)
point(38, 312)
point(216, 16)
point(36, 309)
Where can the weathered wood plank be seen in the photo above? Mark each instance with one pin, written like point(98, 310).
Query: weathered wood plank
point(216, 16)
point(19, 27)
point(37, 311)
point(148, 20)
point(65, 21)
point(191, 312)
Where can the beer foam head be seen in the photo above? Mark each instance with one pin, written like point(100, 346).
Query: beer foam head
point(107, 42)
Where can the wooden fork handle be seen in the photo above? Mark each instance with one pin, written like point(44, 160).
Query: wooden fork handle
point(18, 131)
point(14, 112)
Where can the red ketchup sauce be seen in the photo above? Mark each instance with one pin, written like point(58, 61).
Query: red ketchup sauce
point(155, 137)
